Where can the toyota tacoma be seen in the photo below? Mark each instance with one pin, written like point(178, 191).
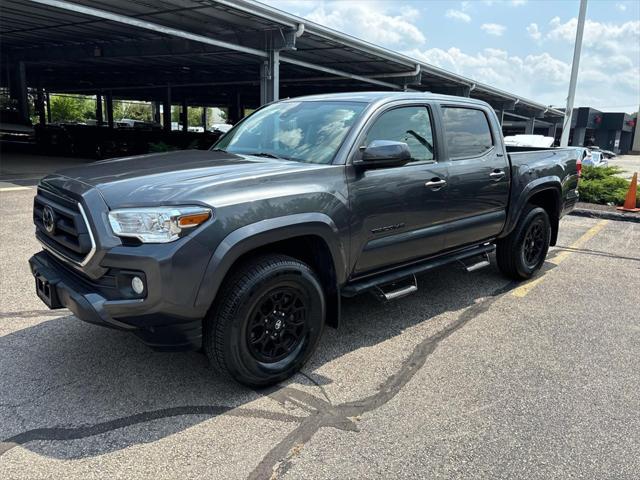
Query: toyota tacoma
point(245, 250)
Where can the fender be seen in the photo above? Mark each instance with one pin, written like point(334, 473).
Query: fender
point(264, 232)
point(536, 186)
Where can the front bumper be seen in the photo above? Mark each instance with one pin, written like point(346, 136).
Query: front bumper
point(154, 323)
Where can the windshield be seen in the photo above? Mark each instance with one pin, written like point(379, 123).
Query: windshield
point(303, 131)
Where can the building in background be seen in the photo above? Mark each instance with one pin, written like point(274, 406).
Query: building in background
point(607, 130)
point(613, 131)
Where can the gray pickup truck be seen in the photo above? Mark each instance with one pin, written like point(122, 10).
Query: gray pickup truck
point(246, 250)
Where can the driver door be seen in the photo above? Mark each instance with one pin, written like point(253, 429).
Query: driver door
point(397, 212)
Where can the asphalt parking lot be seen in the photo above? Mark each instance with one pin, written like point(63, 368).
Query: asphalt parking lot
point(472, 377)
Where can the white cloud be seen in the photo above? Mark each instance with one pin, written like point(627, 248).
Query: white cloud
point(617, 37)
point(518, 3)
point(373, 24)
point(533, 31)
point(493, 29)
point(543, 77)
point(621, 6)
point(608, 69)
point(458, 15)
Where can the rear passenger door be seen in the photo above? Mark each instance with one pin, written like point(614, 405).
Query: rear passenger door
point(479, 176)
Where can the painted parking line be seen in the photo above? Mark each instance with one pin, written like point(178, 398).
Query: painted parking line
point(13, 189)
point(524, 289)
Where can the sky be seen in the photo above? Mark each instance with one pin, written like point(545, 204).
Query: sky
point(521, 46)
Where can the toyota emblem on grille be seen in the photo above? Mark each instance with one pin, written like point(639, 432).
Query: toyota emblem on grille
point(48, 219)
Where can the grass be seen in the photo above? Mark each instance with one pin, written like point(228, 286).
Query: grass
point(601, 185)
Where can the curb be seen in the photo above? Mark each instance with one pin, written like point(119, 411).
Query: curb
point(620, 217)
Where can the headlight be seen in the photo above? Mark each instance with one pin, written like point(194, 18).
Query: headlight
point(157, 224)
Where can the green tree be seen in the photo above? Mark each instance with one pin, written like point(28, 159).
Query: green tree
point(66, 108)
point(133, 110)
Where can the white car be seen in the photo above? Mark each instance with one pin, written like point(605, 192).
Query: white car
point(596, 159)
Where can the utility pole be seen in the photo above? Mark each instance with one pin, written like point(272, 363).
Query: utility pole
point(566, 127)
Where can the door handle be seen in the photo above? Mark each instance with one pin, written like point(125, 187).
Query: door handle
point(435, 183)
point(497, 175)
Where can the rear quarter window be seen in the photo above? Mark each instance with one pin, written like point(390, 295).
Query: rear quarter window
point(467, 132)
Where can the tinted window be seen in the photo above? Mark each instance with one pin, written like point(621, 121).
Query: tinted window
point(411, 125)
point(467, 132)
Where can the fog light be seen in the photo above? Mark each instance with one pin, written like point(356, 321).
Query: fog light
point(137, 285)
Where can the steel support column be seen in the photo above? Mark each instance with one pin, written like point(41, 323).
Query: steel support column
point(155, 107)
point(530, 126)
point(270, 78)
point(21, 95)
point(48, 100)
point(108, 100)
point(185, 116)
point(99, 116)
point(166, 110)
point(577, 140)
point(204, 118)
point(235, 109)
point(40, 107)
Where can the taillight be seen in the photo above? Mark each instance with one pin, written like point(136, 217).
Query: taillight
point(579, 167)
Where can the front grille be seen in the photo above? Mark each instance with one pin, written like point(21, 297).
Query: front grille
point(61, 227)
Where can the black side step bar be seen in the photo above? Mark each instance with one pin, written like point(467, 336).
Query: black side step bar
point(361, 286)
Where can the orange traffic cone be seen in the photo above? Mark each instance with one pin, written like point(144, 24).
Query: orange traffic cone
point(630, 200)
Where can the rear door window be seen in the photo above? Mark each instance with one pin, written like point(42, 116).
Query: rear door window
point(467, 132)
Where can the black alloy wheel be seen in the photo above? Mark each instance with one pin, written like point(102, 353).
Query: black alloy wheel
point(277, 324)
point(534, 243)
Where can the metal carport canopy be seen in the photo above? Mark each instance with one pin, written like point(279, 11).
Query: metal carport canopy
point(238, 28)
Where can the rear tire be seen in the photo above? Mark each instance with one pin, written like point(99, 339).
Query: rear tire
point(523, 252)
point(267, 320)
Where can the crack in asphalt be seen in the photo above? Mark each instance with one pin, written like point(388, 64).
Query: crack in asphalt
point(321, 413)
point(76, 433)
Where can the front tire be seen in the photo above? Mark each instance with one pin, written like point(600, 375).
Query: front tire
point(523, 252)
point(267, 322)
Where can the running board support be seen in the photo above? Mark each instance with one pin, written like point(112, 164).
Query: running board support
point(395, 290)
point(481, 263)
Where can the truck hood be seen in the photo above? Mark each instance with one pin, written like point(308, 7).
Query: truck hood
point(176, 176)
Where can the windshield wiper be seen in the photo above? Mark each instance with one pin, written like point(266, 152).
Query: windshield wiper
point(268, 155)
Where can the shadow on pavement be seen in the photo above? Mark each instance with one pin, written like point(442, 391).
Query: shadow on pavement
point(63, 379)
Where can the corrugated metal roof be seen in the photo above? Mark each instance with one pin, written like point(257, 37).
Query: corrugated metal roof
point(67, 50)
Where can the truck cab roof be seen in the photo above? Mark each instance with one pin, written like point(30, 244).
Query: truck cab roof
point(383, 97)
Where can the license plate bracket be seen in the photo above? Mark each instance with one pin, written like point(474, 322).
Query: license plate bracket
point(47, 292)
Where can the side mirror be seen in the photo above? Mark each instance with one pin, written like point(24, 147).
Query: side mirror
point(384, 153)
